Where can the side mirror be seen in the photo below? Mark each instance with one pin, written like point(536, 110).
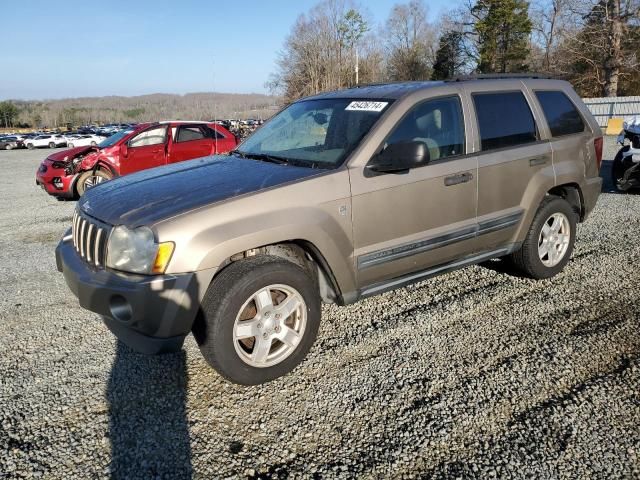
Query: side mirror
point(400, 157)
point(124, 150)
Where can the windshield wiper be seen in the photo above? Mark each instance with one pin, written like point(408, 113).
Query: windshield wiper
point(264, 157)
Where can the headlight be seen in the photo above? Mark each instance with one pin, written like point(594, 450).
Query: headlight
point(136, 251)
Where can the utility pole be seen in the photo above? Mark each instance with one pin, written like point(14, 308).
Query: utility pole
point(357, 77)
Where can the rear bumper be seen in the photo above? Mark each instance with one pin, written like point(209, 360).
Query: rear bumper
point(591, 191)
point(151, 314)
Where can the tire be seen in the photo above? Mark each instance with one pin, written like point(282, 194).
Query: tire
point(93, 144)
point(30, 146)
point(88, 179)
point(231, 295)
point(618, 168)
point(52, 145)
point(70, 145)
point(530, 258)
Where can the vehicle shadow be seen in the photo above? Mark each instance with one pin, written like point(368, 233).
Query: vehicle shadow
point(148, 426)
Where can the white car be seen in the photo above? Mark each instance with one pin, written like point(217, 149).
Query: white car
point(83, 140)
point(49, 140)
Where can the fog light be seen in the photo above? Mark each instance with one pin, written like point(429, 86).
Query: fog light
point(120, 309)
point(57, 182)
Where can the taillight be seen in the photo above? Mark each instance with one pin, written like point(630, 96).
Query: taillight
point(597, 143)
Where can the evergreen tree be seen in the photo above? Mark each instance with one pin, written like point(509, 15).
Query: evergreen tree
point(503, 28)
point(448, 57)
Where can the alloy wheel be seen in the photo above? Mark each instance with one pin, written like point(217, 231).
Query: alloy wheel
point(554, 239)
point(270, 325)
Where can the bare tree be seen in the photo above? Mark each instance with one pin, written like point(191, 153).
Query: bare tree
point(319, 52)
point(411, 41)
point(598, 54)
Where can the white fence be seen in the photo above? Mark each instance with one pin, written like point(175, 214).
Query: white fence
point(605, 108)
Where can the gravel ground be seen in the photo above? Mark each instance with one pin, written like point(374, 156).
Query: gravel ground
point(474, 374)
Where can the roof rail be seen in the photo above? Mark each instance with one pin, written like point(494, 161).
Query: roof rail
point(498, 76)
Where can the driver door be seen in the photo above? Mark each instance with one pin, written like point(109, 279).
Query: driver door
point(408, 222)
point(146, 150)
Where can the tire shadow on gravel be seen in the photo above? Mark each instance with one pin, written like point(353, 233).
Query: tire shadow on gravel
point(148, 426)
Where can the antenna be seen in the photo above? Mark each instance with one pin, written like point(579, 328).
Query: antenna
point(215, 108)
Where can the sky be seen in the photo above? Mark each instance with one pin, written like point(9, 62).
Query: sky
point(75, 48)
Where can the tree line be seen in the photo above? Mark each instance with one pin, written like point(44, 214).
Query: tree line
point(594, 44)
point(115, 109)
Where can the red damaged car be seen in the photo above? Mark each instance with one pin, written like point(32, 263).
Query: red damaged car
point(68, 174)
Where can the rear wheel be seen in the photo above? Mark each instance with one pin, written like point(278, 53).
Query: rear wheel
point(90, 179)
point(70, 145)
point(8, 147)
point(260, 318)
point(549, 242)
point(93, 144)
point(30, 146)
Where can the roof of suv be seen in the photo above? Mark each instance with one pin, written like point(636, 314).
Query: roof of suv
point(395, 90)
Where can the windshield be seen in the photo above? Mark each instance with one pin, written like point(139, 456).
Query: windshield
point(315, 133)
point(113, 139)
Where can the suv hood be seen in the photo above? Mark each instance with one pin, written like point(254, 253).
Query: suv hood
point(147, 197)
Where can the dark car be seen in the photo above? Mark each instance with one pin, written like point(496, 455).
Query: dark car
point(9, 143)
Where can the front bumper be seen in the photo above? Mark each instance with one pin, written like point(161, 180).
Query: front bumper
point(63, 188)
point(151, 314)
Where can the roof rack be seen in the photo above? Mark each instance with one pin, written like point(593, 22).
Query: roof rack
point(498, 76)
point(381, 84)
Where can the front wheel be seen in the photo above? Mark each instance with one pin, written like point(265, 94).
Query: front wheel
point(549, 242)
point(90, 179)
point(30, 146)
point(260, 317)
point(52, 145)
point(70, 145)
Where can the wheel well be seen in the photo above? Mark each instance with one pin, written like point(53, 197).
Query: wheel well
point(105, 168)
point(571, 193)
point(307, 256)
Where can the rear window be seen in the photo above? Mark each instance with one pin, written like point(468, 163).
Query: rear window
point(562, 115)
point(504, 119)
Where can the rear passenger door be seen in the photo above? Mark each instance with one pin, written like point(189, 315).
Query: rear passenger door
point(188, 142)
point(514, 163)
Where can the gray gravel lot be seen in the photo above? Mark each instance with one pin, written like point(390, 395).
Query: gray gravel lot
point(478, 373)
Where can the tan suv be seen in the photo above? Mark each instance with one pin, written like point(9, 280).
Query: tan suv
point(338, 197)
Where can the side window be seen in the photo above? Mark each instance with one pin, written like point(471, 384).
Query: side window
point(504, 119)
point(438, 123)
point(216, 134)
point(561, 114)
point(187, 134)
point(154, 136)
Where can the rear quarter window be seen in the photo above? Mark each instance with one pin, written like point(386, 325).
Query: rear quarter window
point(504, 120)
point(562, 115)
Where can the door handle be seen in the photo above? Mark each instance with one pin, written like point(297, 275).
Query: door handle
point(458, 178)
point(533, 162)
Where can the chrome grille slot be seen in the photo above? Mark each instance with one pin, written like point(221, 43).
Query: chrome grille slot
point(90, 239)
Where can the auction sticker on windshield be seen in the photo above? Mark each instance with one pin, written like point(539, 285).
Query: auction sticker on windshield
point(367, 106)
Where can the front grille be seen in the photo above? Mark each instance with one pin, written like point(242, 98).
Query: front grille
point(90, 239)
